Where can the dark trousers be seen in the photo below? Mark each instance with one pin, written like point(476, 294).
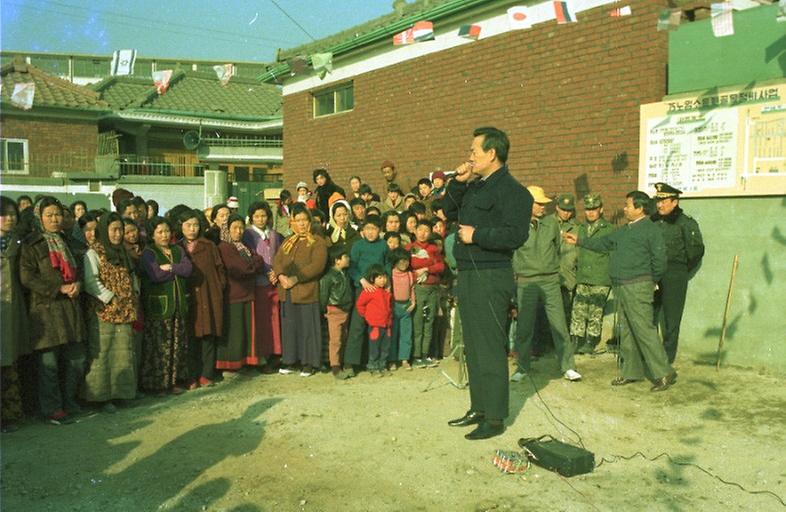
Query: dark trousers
point(567, 302)
point(356, 338)
point(378, 347)
point(68, 359)
point(202, 357)
point(483, 299)
point(670, 299)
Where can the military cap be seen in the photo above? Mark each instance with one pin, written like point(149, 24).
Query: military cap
point(664, 190)
point(566, 202)
point(592, 201)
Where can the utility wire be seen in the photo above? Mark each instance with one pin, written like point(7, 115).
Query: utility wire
point(292, 20)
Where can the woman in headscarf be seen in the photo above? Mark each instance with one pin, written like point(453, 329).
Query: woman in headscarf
point(340, 231)
point(49, 270)
point(166, 267)
point(206, 287)
point(14, 341)
point(263, 240)
point(238, 348)
point(327, 192)
point(113, 287)
point(298, 265)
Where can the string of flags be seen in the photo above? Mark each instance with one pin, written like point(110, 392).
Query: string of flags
point(469, 31)
point(23, 94)
point(620, 11)
point(123, 62)
point(564, 12)
point(419, 32)
point(161, 80)
point(224, 73)
point(722, 21)
point(519, 18)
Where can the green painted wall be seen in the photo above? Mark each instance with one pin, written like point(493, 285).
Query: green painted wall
point(753, 228)
point(757, 51)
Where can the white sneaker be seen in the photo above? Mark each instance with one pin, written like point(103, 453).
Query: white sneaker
point(518, 376)
point(285, 371)
point(306, 374)
point(572, 375)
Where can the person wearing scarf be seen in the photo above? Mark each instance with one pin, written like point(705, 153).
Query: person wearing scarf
point(298, 265)
point(263, 240)
point(238, 347)
point(57, 330)
point(340, 231)
point(164, 297)
point(327, 192)
point(112, 285)
point(14, 341)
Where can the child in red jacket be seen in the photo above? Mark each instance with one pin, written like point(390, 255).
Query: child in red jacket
point(375, 306)
point(428, 264)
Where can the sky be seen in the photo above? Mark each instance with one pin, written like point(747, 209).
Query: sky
point(231, 30)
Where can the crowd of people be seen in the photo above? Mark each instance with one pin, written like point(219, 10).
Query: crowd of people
point(102, 307)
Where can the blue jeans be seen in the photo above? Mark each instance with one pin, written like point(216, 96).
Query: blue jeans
point(378, 347)
point(401, 338)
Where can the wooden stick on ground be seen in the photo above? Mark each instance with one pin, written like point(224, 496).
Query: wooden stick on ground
point(726, 311)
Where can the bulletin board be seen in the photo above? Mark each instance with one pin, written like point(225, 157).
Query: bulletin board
point(728, 142)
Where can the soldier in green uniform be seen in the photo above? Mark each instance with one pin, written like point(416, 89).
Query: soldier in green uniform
point(487, 202)
point(565, 213)
point(536, 265)
point(684, 250)
point(637, 261)
point(592, 276)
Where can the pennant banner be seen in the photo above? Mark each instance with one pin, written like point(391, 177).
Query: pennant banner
point(722, 21)
point(519, 18)
point(224, 73)
point(161, 80)
point(123, 62)
point(322, 63)
point(669, 19)
point(620, 11)
point(564, 12)
point(469, 31)
point(23, 95)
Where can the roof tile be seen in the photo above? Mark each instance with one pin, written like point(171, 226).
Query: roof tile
point(50, 91)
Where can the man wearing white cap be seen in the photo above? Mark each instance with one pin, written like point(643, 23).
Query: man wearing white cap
point(536, 265)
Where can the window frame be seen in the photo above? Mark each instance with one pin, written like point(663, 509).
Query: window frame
point(26, 155)
point(333, 92)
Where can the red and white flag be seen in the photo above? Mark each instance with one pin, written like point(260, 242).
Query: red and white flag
point(620, 11)
point(23, 95)
point(404, 37)
point(161, 80)
point(519, 18)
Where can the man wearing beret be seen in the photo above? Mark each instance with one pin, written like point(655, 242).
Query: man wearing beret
point(592, 276)
point(565, 212)
point(684, 250)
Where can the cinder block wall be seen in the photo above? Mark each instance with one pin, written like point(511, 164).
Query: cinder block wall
point(55, 145)
point(568, 96)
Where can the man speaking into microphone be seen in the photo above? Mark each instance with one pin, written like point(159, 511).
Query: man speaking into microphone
point(492, 210)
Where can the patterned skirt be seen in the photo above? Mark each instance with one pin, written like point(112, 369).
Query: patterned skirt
point(164, 356)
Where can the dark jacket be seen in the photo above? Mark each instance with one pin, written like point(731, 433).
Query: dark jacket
point(568, 253)
point(593, 267)
point(165, 293)
point(538, 257)
point(55, 319)
point(15, 339)
point(306, 261)
point(684, 245)
point(206, 286)
point(494, 208)
point(637, 252)
point(335, 290)
point(241, 273)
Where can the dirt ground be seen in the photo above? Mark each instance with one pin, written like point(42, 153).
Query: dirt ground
point(269, 443)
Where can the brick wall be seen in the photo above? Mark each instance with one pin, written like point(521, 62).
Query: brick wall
point(55, 145)
point(568, 96)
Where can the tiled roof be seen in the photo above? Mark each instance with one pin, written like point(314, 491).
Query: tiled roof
point(193, 93)
point(50, 91)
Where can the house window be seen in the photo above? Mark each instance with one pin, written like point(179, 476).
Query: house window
point(14, 156)
point(334, 101)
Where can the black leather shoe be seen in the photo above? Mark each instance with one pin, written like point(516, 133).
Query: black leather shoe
point(471, 418)
point(622, 381)
point(664, 383)
point(486, 430)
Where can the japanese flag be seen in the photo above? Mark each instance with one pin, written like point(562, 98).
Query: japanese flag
point(519, 18)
